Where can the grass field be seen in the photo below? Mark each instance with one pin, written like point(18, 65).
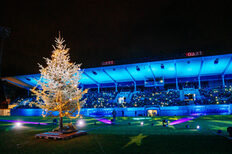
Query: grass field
point(104, 138)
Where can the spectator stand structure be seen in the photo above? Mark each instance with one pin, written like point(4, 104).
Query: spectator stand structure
point(177, 82)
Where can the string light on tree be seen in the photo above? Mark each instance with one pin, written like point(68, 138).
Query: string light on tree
point(57, 89)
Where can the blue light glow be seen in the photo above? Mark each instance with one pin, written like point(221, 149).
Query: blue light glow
point(189, 67)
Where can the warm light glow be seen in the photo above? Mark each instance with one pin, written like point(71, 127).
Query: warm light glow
point(81, 123)
point(58, 84)
point(18, 124)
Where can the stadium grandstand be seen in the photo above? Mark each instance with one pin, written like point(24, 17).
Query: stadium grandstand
point(145, 88)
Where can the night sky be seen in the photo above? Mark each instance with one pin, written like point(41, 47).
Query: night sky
point(97, 30)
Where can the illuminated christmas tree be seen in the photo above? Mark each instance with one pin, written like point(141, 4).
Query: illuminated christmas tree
point(58, 87)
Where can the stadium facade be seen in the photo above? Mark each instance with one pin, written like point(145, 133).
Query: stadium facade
point(156, 73)
point(199, 72)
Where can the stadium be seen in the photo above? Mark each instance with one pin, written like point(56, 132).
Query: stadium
point(175, 87)
point(139, 107)
point(128, 77)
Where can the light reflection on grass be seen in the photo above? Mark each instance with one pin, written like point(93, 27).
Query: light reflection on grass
point(113, 137)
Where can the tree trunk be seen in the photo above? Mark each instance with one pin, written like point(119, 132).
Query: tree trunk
point(61, 124)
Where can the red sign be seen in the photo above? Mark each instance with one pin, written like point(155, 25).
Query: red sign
point(108, 62)
point(192, 54)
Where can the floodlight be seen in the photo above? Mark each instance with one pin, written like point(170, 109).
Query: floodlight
point(95, 73)
point(18, 124)
point(162, 66)
point(81, 123)
point(137, 68)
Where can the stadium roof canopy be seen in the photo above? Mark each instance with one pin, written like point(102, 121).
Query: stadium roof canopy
point(168, 70)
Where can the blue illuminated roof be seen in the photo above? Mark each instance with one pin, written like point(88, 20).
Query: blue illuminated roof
point(168, 69)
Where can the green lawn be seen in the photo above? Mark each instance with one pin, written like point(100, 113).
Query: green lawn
point(104, 138)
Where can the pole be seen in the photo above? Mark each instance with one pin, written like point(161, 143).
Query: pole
point(4, 33)
point(116, 87)
point(199, 82)
point(98, 88)
point(177, 87)
point(134, 86)
point(223, 81)
point(2, 90)
point(1, 52)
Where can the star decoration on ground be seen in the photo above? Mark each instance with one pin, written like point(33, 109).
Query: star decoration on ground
point(136, 139)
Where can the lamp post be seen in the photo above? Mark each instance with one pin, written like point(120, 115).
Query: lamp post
point(4, 33)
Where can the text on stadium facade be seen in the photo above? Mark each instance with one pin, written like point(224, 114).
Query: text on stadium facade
point(108, 62)
point(192, 54)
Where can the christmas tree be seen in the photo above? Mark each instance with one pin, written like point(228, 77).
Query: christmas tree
point(58, 87)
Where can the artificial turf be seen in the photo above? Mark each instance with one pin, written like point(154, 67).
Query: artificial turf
point(103, 138)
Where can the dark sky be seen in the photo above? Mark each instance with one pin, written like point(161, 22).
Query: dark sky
point(98, 30)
